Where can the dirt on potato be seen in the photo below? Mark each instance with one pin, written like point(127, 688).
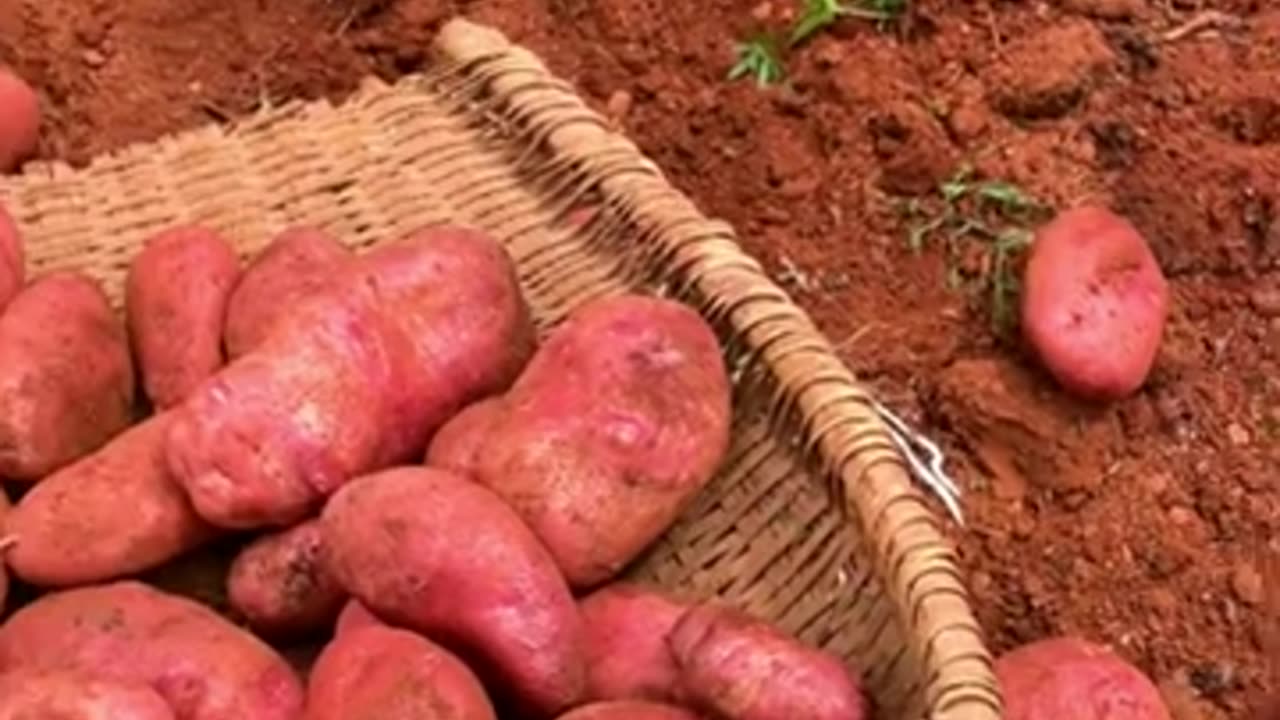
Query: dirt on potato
point(1140, 523)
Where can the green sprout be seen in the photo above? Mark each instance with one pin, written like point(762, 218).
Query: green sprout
point(762, 56)
point(996, 213)
point(820, 14)
point(759, 58)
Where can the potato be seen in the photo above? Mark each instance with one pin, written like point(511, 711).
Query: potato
point(627, 627)
point(176, 303)
point(430, 551)
point(280, 585)
point(629, 710)
point(352, 380)
point(737, 667)
point(203, 666)
point(457, 445)
point(616, 424)
point(66, 378)
point(300, 261)
point(13, 262)
point(19, 121)
point(354, 615)
point(1094, 303)
point(1069, 678)
point(6, 541)
point(113, 513)
point(390, 674)
point(77, 696)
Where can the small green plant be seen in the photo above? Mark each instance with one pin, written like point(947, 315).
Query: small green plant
point(995, 214)
point(762, 57)
point(820, 14)
point(759, 58)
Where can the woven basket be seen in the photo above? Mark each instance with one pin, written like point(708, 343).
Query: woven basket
point(813, 521)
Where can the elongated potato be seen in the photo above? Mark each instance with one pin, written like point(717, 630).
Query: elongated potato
point(457, 445)
point(300, 261)
point(352, 380)
point(627, 630)
point(737, 667)
point(76, 696)
point(431, 551)
point(114, 513)
point(13, 263)
point(390, 674)
point(176, 304)
point(204, 667)
point(629, 710)
point(616, 424)
point(280, 585)
point(66, 377)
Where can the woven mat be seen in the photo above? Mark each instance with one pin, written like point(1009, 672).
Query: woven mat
point(813, 522)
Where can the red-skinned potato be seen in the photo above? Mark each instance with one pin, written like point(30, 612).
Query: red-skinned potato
point(627, 629)
point(113, 513)
point(300, 261)
point(621, 417)
point(6, 542)
point(1067, 678)
point(353, 380)
point(19, 120)
point(202, 665)
point(497, 599)
point(176, 303)
point(64, 695)
point(1094, 303)
point(354, 615)
point(66, 375)
point(279, 584)
point(736, 667)
point(629, 710)
point(458, 444)
point(13, 262)
point(376, 671)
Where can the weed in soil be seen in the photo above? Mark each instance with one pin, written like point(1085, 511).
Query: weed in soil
point(993, 218)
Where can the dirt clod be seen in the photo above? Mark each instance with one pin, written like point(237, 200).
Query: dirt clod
point(1046, 74)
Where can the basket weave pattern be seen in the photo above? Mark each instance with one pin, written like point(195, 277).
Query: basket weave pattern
point(813, 521)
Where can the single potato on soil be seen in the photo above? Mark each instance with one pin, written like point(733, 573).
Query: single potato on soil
point(66, 376)
point(1068, 678)
point(1094, 303)
point(114, 513)
point(353, 380)
point(619, 420)
point(19, 121)
point(280, 584)
point(434, 552)
point(176, 303)
point(299, 262)
point(64, 695)
point(376, 671)
point(204, 667)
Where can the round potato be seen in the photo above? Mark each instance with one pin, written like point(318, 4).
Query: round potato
point(1094, 303)
point(66, 695)
point(1068, 678)
point(19, 120)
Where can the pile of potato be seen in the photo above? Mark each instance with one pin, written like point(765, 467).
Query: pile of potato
point(413, 480)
